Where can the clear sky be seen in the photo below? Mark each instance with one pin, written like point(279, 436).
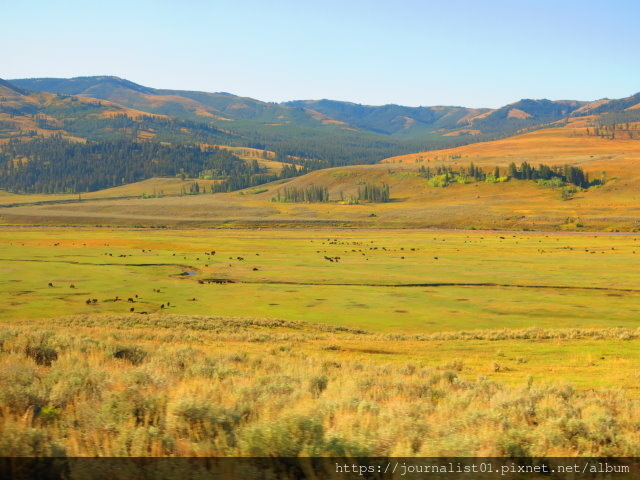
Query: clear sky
point(476, 53)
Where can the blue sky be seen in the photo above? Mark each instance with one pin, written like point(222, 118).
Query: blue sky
point(482, 53)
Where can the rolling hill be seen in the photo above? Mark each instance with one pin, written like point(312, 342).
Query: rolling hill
point(415, 203)
point(324, 129)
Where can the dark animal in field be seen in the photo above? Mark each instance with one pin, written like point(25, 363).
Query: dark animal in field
point(134, 355)
point(131, 309)
point(42, 355)
point(50, 284)
point(130, 300)
point(72, 286)
point(88, 302)
point(162, 306)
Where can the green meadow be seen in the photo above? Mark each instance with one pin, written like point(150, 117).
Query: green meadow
point(378, 280)
point(156, 342)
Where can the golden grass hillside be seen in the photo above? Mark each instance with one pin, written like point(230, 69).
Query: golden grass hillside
point(152, 187)
point(552, 146)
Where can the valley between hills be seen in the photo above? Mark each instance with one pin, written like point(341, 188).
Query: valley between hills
point(201, 274)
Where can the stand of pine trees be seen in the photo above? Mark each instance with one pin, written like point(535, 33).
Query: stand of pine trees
point(311, 194)
point(374, 193)
point(565, 173)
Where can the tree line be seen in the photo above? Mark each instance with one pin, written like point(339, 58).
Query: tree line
point(445, 174)
point(317, 194)
point(56, 165)
point(310, 194)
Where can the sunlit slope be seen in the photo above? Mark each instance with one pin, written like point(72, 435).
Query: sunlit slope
point(25, 115)
point(153, 187)
point(574, 144)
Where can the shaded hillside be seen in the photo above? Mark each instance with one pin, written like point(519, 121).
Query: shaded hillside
point(55, 165)
point(523, 114)
point(392, 119)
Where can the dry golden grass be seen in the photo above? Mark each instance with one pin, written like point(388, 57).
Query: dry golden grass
point(151, 187)
point(203, 386)
point(552, 146)
point(514, 205)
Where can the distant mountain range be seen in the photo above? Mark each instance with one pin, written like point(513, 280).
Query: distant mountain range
point(312, 133)
point(390, 120)
point(247, 115)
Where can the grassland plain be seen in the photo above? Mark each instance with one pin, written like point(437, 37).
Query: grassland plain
point(401, 280)
point(318, 342)
point(540, 357)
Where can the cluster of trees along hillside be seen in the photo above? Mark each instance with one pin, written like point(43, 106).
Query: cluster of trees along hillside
point(56, 165)
point(614, 130)
point(443, 175)
point(374, 193)
point(314, 194)
point(310, 194)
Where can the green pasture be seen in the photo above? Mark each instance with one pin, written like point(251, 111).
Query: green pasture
point(385, 280)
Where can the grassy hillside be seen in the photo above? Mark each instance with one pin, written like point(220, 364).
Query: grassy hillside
point(515, 204)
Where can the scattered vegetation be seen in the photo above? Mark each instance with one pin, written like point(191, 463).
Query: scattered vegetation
point(291, 390)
